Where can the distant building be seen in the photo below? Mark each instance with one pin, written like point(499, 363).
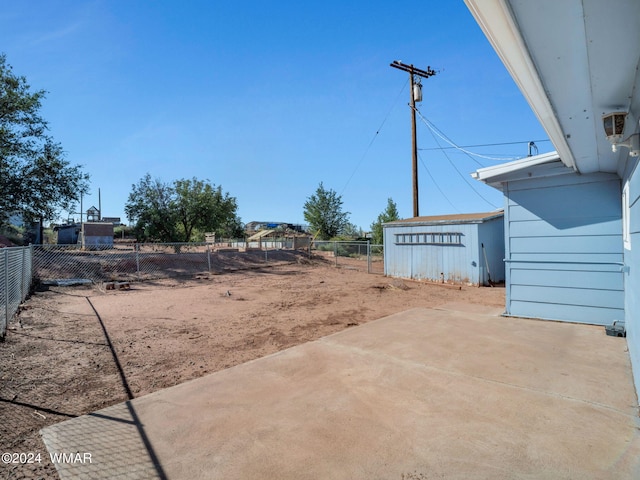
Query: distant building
point(68, 234)
point(93, 215)
point(256, 226)
point(97, 235)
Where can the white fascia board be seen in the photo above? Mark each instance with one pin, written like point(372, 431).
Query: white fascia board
point(496, 21)
point(493, 175)
point(506, 168)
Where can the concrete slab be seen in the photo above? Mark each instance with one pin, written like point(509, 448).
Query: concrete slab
point(422, 394)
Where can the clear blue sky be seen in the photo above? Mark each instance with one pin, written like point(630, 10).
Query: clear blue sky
point(269, 98)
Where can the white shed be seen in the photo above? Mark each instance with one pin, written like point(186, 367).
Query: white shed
point(461, 249)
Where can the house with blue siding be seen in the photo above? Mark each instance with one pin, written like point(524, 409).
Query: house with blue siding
point(572, 217)
point(563, 250)
point(461, 249)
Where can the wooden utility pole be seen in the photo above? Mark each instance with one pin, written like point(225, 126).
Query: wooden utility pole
point(414, 148)
point(413, 71)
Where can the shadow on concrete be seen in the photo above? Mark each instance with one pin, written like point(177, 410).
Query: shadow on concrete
point(116, 431)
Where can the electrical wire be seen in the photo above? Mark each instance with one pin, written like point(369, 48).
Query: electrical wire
point(436, 184)
point(436, 131)
point(485, 145)
point(460, 173)
point(374, 137)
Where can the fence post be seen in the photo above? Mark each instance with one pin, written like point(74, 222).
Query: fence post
point(335, 251)
point(209, 257)
point(32, 264)
point(6, 292)
point(368, 257)
point(23, 272)
point(137, 259)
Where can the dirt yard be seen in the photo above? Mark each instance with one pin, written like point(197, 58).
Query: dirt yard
point(73, 350)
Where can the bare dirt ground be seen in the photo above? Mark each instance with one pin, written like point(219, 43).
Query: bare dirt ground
point(73, 350)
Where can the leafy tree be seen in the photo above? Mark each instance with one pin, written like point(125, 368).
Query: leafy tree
point(389, 215)
point(203, 207)
point(35, 179)
point(323, 211)
point(150, 207)
point(351, 231)
point(177, 212)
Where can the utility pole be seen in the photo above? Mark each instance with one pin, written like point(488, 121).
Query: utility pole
point(416, 95)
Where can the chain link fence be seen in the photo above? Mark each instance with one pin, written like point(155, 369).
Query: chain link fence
point(15, 281)
point(146, 261)
point(361, 256)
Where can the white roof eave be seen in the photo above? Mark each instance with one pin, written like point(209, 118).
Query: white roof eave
point(495, 175)
point(496, 21)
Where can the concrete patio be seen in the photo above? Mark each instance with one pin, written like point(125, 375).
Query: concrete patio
point(456, 393)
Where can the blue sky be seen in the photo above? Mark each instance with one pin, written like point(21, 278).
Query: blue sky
point(268, 99)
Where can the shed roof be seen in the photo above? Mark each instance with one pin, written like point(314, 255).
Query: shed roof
point(449, 219)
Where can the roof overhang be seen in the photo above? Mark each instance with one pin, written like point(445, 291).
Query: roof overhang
point(573, 60)
point(539, 166)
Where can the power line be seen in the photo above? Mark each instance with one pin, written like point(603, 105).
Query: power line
point(437, 131)
point(458, 171)
point(374, 137)
point(484, 145)
point(436, 184)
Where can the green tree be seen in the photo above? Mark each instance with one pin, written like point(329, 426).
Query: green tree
point(149, 207)
point(202, 207)
point(389, 215)
point(323, 211)
point(351, 231)
point(180, 211)
point(35, 179)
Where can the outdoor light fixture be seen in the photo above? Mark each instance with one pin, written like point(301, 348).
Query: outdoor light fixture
point(613, 124)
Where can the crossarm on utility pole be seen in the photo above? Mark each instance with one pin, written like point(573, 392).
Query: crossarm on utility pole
point(414, 143)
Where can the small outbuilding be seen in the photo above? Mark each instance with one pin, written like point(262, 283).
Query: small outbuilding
point(97, 235)
point(68, 233)
point(461, 249)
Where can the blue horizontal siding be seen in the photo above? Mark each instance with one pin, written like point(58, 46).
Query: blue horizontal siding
point(568, 244)
point(560, 181)
point(607, 280)
point(540, 228)
point(569, 313)
point(564, 250)
point(568, 296)
point(567, 266)
point(570, 258)
point(556, 203)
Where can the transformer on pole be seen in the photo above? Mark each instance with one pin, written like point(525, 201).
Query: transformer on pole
point(416, 96)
